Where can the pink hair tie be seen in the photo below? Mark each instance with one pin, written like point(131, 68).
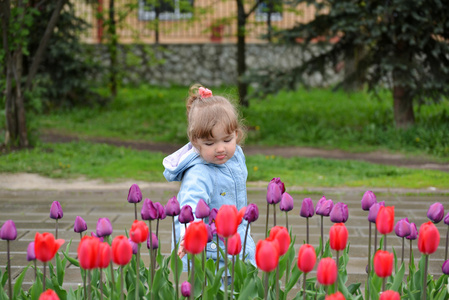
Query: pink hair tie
point(204, 93)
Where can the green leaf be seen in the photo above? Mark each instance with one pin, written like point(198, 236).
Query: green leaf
point(293, 279)
point(175, 258)
point(73, 261)
point(398, 277)
point(18, 284)
point(60, 271)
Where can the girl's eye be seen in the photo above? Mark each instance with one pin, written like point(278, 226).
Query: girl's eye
point(208, 144)
point(227, 141)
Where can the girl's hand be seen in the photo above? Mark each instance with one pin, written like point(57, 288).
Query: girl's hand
point(181, 250)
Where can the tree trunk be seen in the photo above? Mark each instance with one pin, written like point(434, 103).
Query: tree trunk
point(112, 50)
point(241, 56)
point(403, 107)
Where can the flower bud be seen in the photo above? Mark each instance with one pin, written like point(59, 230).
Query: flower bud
point(368, 199)
point(8, 231)
point(324, 207)
point(186, 215)
point(154, 240)
point(134, 194)
point(30, 252)
point(104, 227)
point(307, 209)
point(385, 219)
point(445, 267)
point(339, 213)
point(80, 225)
point(402, 228)
point(281, 185)
point(413, 232)
point(306, 258)
point(429, 238)
point(56, 210)
point(172, 208)
point(374, 210)
point(202, 210)
point(160, 211)
point(383, 263)
point(274, 193)
point(186, 289)
point(149, 210)
point(436, 212)
point(286, 203)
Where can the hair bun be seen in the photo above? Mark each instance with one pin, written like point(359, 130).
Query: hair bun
point(204, 93)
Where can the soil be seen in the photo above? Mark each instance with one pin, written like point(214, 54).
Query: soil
point(378, 157)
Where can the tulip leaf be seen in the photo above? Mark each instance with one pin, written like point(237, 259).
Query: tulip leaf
point(342, 286)
point(18, 284)
point(4, 278)
point(175, 258)
point(398, 277)
point(352, 288)
point(293, 279)
point(375, 287)
point(57, 288)
point(72, 260)
point(59, 270)
point(217, 282)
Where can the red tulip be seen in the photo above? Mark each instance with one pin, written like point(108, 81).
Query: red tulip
point(88, 252)
point(195, 238)
point(338, 236)
point(234, 244)
point(227, 220)
point(104, 253)
point(267, 255)
point(122, 250)
point(282, 237)
point(45, 246)
point(327, 271)
point(336, 296)
point(390, 295)
point(306, 258)
point(241, 214)
point(383, 263)
point(139, 232)
point(385, 219)
point(428, 238)
point(49, 295)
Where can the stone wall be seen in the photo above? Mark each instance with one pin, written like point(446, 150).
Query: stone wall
point(208, 64)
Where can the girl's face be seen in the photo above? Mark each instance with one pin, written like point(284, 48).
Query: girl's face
point(219, 149)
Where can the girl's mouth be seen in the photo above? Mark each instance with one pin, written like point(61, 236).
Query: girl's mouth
point(220, 156)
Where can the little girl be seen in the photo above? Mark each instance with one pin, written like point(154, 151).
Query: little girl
point(212, 165)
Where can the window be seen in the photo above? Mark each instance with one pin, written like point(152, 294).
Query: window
point(169, 9)
point(263, 10)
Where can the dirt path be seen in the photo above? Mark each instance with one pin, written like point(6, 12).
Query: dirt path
point(377, 157)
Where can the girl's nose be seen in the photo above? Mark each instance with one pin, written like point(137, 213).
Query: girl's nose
point(220, 147)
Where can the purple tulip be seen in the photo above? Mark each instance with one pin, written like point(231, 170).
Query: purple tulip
point(307, 209)
point(56, 210)
point(202, 210)
point(134, 194)
point(274, 193)
point(251, 213)
point(172, 208)
point(149, 210)
point(210, 234)
point(446, 219)
point(286, 203)
point(213, 215)
point(104, 227)
point(154, 240)
point(8, 231)
point(278, 181)
point(213, 228)
point(80, 225)
point(436, 212)
point(160, 211)
point(186, 215)
point(445, 267)
point(324, 207)
point(339, 213)
point(30, 252)
point(368, 199)
point(413, 232)
point(402, 228)
point(185, 289)
point(374, 210)
point(134, 246)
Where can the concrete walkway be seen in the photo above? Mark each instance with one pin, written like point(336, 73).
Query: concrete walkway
point(29, 209)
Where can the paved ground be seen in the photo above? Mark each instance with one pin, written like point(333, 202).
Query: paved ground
point(29, 208)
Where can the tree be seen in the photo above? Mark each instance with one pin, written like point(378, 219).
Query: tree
point(16, 27)
point(401, 44)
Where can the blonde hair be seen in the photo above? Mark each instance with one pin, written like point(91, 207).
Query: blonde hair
point(204, 113)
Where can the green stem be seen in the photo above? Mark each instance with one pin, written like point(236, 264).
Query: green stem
point(322, 236)
point(274, 214)
point(307, 231)
point(188, 259)
point(244, 242)
point(9, 270)
point(135, 211)
point(403, 245)
point(424, 289)
point(383, 283)
point(85, 285)
point(121, 282)
point(226, 270)
point(375, 240)
point(192, 279)
point(44, 278)
point(138, 270)
point(411, 252)
point(151, 255)
point(218, 254)
point(176, 260)
point(447, 243)
point(266, 285)
point(204, 266)
point(232, 277)
point(90, 284)
point(369, 258)
point(35, 270)
point(56, 227)
point(266, 223)
point(286, 221)
point(101, 284)
point(338, 265)
point(304, 287)
point(277, 282)
point(385, 242)
point(111, 267)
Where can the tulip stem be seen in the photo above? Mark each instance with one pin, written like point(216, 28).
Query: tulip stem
point(135, 211)
point(403, 245)
point(307, 231)
point(138, 269)
point(385, 242)
point(338, 267)
point(89, 278)
point(121, 282)
point(176, 258)
point(226, 270)
point(151, 256)
point(286, 221)
point(218, 254)
point(369, 258)
point(232, 277)
point(424, 289)
point(111, 267)
point(188, 259)
point(304, 287)
point(157, 229)
point(244, 242)
point(447, 243)
point(35, 270)
point(277, 282)
point(43, 279)
point(383, 283)
point(56, 235)
point(192, 279)
point(266, 223)
point(274, 214)
point(9, 270)
point(322, 239)
point(84, 283)
point(411, 252)
point(266, 285)
point(101, 284)
point(205, 276)
point(375, 240)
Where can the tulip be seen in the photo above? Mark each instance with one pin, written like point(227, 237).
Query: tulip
point(327, 271)
point(307, 211)
point(306, 258)
point(323, 209)
point(134, 246)
point(390, 295)
point(56, 210)
point(446, 219)
point(278, 181)
point(88, 253)
point(122, 253)
point(374, 210)
point(202, 210)
point(339, 213)
point(251, 215)
point(105, 255)
point(210, 234)
point(134, 196)
point(286, 203)
point(240, 215)
point(385, 221)
point(104, 227)
point(186, 289)
point(234, 246)
point(428, 241)
point(412, 236)
point(172, 207)
point(436, 212)
point(30, 252)
point(49, 295)
point(186, 215)
point(213, 215)
point(274, 195)
point(160, 215)
point(383, 265)
point(139, 234)
point(282, 237)
point(445, 267)
point(335, 296)
point(227, 221)
point(338, 236)
point(154, 243)
point(195, 238)
point(368, 200)
point(80, 225)
point(267, 258)
point(8, 231)
point(402, 229)
point(149, 211)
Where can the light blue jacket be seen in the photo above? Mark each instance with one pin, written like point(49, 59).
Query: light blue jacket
point(215, 184)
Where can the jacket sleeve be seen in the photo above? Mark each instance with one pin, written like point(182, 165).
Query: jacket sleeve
point(196, 184)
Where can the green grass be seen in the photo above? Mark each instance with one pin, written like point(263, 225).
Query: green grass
point(89, 160)
point(358, 122)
